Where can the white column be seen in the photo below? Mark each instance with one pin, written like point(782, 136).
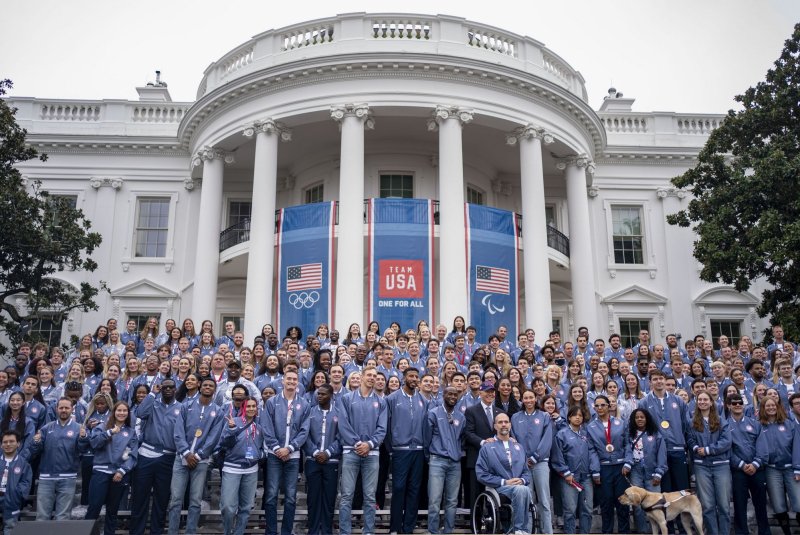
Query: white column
point(353, 119)
point(258, 296)
point(452, 271)
point(538, 306)
point(206, 264)
point(581, 256)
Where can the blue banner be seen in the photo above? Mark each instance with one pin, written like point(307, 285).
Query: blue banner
point(305, 248)
point(492, 262)
point(400, 261)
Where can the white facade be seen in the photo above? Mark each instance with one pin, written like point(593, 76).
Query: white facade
point(465, 109)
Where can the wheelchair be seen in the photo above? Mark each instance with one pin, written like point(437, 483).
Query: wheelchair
point(493, 513)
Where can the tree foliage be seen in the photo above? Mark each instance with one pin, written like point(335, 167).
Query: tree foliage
point(746, 193)
point(40, 236)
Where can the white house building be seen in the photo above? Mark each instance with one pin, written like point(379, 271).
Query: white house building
point(366, 106)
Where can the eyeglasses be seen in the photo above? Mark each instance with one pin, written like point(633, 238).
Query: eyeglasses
point(600, 405)
point(736, 403)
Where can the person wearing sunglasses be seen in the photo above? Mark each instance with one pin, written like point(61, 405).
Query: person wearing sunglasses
point(748, 475)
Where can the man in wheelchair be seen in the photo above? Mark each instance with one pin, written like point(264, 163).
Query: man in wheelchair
point(502, 466)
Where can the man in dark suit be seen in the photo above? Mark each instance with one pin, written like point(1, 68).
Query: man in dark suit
point(479, 430)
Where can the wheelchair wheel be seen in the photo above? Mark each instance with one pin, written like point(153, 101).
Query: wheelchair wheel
point(486, 515)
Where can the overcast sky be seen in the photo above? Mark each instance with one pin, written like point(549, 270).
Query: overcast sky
point(671, 55)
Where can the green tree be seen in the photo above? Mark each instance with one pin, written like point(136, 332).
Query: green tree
point(746, 193)
point(40, 236)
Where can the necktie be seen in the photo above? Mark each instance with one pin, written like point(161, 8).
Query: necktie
point(489, 416)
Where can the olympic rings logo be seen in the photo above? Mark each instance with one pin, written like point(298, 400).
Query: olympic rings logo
point(304, 299)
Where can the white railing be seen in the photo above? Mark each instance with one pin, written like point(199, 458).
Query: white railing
point(70, 112)
point(697, 125)
point(362, 33)
point(401, 29)
point(157, 113)
point(307, 36)
point(624, 124)
point(239, 60)
point(490, 40)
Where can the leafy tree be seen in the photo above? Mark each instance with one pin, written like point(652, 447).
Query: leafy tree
point(746, 193)
point(40, 236)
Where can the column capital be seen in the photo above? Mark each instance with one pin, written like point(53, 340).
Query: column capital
point(663, 193)
point(268, 126)
point(529, 131)
point(210, 153)
point(581, 161)
point(443, 113)
point(359, 111)
point(114, 182)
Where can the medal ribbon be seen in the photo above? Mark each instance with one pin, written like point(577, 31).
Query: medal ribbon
point(608, 432)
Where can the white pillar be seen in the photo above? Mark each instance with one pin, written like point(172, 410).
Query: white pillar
point(538, 306)
point(261, 258)
point(452, 272)
point(581, 256)
point(353, 118)
point(206, 264)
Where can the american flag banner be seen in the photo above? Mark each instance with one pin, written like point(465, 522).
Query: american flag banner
point(305, 266)
point(304, 277)
point(492, 267)
point(492, 279)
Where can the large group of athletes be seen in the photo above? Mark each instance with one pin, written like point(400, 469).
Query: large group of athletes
point(143, 417)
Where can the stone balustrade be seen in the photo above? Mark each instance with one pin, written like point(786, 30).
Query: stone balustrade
point(363, 34)
point(658, 128)
point(69, 112)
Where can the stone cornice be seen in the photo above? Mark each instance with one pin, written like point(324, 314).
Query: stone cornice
point(406, 66)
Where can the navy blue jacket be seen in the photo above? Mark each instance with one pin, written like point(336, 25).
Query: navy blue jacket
point(209, 419)
point(114, 452)
point(60, 449)
point(744, 435)
point(362, 419)
point(535, 432)
point(158, 424)
point(778, 446)
point(717, 443)
point(313, 443)
point(407, 417)
point(492, 467)
point(443, 436)
point(572, 455)
point(654, 453)
point(18, 484)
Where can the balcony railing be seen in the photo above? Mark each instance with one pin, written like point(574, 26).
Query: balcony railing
point(557, 240)
point(240, 232)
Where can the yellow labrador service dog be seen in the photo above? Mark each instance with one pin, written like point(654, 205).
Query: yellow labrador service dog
point(661, 508)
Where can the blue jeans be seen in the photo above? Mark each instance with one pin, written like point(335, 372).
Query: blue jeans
point(540, 482)
point(781, 483)
point(153, 476)
point(444, 477)
point(104, 491)
point(351, 464)
point(321, 495)
point(520, 496)
point(58, 493)
point(714, 490)
point(281, 475)
point(181, 477)
point(406, 482)
point(578, 503)
point(640, 479)
point(237, 496)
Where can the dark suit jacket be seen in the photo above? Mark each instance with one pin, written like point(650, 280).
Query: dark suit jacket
point(477, 428)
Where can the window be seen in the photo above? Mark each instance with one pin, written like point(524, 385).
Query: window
point(550, 215)
point(152, 219)
point(629, 330)
point(397, 186)
point(238, 321)
point(730, 328)
point(474, 196)
point(56, 203)
point(238, 212)
point(314, 193)
point(557, 324)
point(45, 329)
point(627, 234)
point(141, 319)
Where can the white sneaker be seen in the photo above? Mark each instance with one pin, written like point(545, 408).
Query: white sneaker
point(79, 512)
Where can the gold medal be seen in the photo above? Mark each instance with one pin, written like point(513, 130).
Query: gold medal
point(198, 433)
point(610, 448)
point(665, 424)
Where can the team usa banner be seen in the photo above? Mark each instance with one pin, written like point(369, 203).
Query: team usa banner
point(400, 261)
point(305, 280)
point(492, 263)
